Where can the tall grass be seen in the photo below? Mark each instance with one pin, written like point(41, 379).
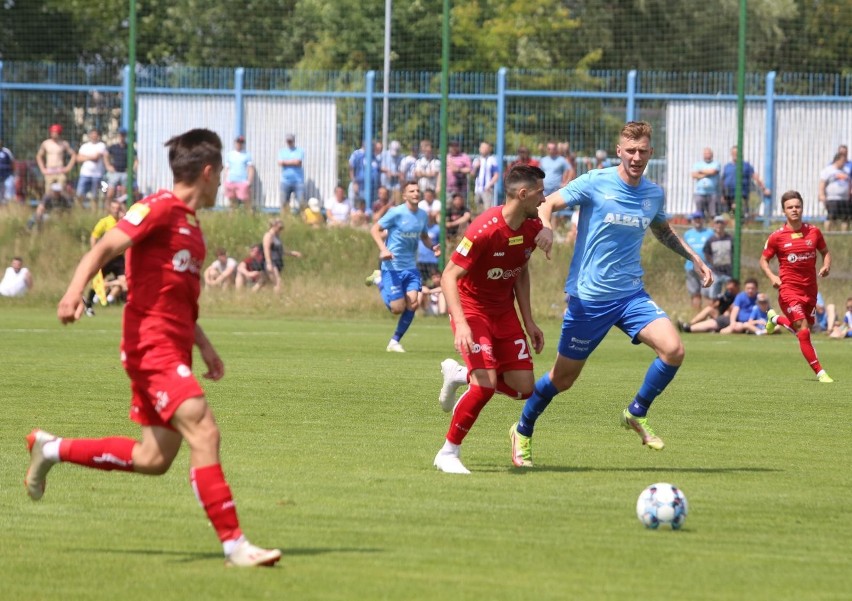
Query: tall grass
point(329, 279)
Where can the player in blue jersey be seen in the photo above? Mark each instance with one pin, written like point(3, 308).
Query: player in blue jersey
point(604, 285)
point(400, 278)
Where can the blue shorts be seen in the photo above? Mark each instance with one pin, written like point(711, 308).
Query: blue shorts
point(586, 323)
point(396, 284)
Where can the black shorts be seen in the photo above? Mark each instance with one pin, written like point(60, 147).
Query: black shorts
point(115, 266)
point(840, 210)
point(427, 270)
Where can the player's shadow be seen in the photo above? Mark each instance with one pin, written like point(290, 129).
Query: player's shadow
point(191, 557)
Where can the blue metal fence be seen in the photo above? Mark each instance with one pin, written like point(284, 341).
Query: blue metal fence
point(509, 107)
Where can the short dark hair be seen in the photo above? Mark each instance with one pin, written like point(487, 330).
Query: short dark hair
point(751, 281)
point(519, 176)
point(790, 194)
point(191, 151)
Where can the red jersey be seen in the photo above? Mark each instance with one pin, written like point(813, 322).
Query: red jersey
point(797, 254)
point(163, 281)
point(493, 255)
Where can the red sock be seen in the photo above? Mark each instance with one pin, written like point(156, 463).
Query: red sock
point(804, 336)
point(504, 388)
point(214, 494)
point(114, 453)
point(783, 320)
point(467, 410)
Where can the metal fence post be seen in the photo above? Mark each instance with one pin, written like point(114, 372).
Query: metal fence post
point(631, 95)
point(769, 158)
point(369, 92)
point(239, 113)
point(500, 142)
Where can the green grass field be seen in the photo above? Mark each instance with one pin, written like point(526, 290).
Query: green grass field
point(328, 443)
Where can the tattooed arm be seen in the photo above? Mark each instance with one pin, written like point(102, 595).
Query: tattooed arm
point(668, 238)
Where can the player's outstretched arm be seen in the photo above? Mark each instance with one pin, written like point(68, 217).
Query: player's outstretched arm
point(666, 235)
point(113, 243)
point(522, 296)
point(215, 367)
point(463, 341)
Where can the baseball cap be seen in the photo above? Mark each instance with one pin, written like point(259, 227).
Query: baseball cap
point(314, 204)
point(240, 139)
point(122, 131)
point(394, 147)
point(289, 137)
point(697, 215)
point(55, 128)
point(718, 219)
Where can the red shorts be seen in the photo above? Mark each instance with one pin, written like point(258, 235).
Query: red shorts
point(797, 307)
point(499, 343)
point(158, 392)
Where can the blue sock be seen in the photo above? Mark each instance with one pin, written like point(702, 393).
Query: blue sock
point(657, 377)
point(402, 325)
point(543, 393)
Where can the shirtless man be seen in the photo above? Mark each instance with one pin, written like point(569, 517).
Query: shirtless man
point(51, 158)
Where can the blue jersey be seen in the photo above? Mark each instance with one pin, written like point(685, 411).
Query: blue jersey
point(404, 228)
point(696, 239)
point(613, 219)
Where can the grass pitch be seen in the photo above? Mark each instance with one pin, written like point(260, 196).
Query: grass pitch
point(328, 444)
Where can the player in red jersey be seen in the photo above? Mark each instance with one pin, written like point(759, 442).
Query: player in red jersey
point(165, 252)
point(486, 274)
point(796, 245)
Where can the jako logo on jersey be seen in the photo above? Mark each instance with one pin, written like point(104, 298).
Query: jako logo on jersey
point(793, 257)
point(496, 273)
point(500, 254)
point(629, 220)
point(183, 261)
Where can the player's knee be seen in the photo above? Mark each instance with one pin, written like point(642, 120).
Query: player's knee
point(152, 461)
point(673, 353)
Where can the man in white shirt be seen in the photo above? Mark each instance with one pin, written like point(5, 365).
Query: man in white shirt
point(91, 157)
point(222, 271)
point(17, 280)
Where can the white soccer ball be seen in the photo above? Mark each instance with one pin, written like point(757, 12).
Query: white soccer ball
point(662, 503)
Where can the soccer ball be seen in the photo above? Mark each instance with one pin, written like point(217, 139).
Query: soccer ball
point(662, 503)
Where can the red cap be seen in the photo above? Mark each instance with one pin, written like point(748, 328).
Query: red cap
point(56, 128)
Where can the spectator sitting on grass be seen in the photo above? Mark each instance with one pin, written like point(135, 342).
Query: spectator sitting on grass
point(17, 280)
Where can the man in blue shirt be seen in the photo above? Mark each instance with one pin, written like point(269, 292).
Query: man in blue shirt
point(400, 279)
point(605, 285)
point(729, 183)
point(291, 159)
point(697, 237)
point(744, 302)
point(706, 176)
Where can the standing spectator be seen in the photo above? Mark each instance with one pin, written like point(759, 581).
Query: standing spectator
point(251, 271)
point(796, 245)
point(718, 254)
point(389, 162)
point(7, 174)
point(834, 190)
point(741, 309)
point(524, 158)
point(115, 162)
point(706, 191)
point(91, 159)
point(238, 174)
point(408, 165)
point(339, 213)
point(729, 184)
point(17, 280)
point(55, 158)
point(557, 169)
point(357, 171)
point(274, 252)
point(696, 237)
point(291, 159)
point(428, 168)
point(375, 171)
point(486, 171)
point(564, 149)
point(605, 284)
point(458, 170)
point(222, 272)
point(400, 279)
point(458, 217)
point(601, 160)
point(159, 333)
point(487, 331)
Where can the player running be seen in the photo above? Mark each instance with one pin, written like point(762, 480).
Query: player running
point(604, 284)
point(796, 245)
point(400, 279)
point(486, 274)
point(165, 252)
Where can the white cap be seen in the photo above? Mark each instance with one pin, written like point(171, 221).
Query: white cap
point(314, 204)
